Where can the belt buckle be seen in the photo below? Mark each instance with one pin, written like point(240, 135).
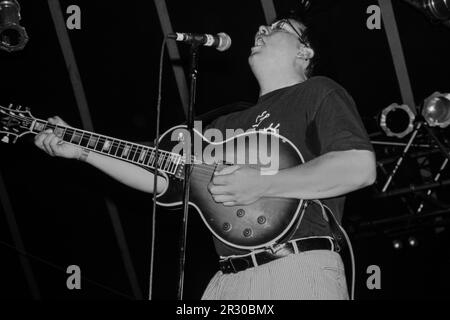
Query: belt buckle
point(229, 265)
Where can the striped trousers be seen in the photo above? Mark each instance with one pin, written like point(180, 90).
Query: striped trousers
point(310, 275)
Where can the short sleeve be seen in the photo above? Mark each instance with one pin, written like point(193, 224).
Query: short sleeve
point(338, 124)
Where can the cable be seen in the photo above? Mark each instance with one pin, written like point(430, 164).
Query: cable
point(155, 180)
point(350, 248)
point(352, 257)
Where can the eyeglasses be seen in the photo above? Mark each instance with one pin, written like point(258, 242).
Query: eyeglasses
point(280, 25)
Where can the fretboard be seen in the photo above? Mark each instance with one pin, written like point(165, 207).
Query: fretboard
point(168, 162)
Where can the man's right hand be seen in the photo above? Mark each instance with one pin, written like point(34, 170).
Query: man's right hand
point(54, 145)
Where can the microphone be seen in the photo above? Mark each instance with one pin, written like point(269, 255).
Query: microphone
point(13, 36)
point(221, 41)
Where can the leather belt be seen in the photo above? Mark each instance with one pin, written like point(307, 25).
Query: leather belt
point(234, 264)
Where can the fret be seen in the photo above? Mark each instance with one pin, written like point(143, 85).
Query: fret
point(76, 138)
point(85, 139)
point(138, 154)
point(67, 135)
point(100, 144)
point(167, 164)
point(120, 147)
point(132, 153)
point(163, 162)
point(147, 157)
point(153, 158)
point(170, 163)
point(93, 140)
point(160, 159)
point(59, 131)
point(126, 150)
point(114, 147)
point(177, 163)
point(142, 156)
point(174, 163)
point(106, 146)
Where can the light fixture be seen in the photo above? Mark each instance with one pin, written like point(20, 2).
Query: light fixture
point(436, 10)
point(436, 110)
point(13, 36)
point(397, 120)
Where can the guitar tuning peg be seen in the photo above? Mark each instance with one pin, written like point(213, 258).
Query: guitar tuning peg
point(27, 109)
point(19, 107)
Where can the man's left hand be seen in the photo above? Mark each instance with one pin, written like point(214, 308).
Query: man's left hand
point(237, 185)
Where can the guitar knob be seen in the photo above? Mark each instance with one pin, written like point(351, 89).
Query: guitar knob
point(247, 232)
point(261, 219)
point(240, 213)
point(226, 226)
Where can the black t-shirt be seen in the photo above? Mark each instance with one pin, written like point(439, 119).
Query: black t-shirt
point(318, 116)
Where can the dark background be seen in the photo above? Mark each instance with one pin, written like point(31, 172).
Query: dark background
point(60, 204)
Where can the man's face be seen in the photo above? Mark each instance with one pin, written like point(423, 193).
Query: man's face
point(276, 45)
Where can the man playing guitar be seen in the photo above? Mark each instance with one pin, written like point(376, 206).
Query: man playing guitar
point(320, 118)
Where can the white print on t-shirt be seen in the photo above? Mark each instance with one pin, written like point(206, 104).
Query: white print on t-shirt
point(259, 119)
point(271, 128)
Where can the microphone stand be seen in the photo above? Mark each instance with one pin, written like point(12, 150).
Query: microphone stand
point(188, 166)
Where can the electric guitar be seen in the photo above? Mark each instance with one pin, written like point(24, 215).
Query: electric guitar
point(262, 224)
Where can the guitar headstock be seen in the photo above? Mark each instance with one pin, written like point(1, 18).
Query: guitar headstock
point(14, 123)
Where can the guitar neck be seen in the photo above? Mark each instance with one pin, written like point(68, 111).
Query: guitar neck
point(168, 162)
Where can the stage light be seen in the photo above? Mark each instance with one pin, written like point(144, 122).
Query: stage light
point(436, 10)
point(436, 110)
point(412, 241)
point(397, 244)
point(397, 120)
point(13, 36)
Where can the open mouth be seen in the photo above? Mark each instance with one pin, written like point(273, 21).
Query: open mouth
point(259, 42)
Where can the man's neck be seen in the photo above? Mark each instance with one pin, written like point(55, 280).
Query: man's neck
point(269, 84)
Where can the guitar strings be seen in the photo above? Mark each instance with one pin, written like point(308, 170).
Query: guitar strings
point(173, 160)
point(138, 149)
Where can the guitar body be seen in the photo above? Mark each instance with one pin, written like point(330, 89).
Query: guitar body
point(260, 224)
